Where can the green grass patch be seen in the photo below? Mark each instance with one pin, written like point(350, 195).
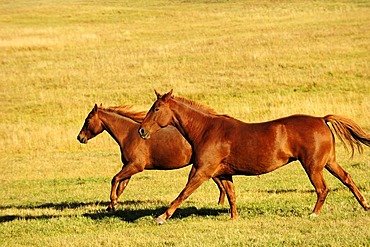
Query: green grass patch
point(253, 60)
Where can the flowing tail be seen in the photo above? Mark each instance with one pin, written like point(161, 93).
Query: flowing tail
point(349, 132)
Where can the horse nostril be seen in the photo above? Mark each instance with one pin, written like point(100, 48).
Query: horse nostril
point(141, 131)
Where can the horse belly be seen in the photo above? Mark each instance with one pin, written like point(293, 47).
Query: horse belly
point(258, 164)
point(260, 155)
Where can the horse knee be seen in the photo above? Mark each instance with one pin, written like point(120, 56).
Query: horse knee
point(115, 180)
point(322, 193)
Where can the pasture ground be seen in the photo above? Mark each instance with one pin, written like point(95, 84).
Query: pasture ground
point(253, 60)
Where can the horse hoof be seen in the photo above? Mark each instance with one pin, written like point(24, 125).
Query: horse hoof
point(111, 208)
point(313, 215)
point(159, 221)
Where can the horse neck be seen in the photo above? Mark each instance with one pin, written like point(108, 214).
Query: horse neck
point(191, 122)
point(119, 127)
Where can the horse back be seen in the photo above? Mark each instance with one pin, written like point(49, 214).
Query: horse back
point(304, 133)
point(262, 147)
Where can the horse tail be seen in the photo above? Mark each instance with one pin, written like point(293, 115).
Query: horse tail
point(349, 132)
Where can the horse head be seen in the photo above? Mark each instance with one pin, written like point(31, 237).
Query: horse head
point(159, 116)
point(92, 126)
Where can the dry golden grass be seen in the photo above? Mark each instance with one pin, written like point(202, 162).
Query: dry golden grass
point(253, 60)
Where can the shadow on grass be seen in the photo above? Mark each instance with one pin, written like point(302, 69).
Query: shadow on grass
point(128, 215)
point(8, 218)
point(131, 215)
point(56, 206)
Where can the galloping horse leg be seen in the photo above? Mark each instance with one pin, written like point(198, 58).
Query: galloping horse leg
point(194, 182)
point(321, 191)
point(126, 173)
point(334, 168)
point(221, 198)
point(228, 184)
point(315, 174)
point(191, 173)
point(222, 189)
point(122, 186)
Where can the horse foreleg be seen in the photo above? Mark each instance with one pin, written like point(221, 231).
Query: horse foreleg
point(228, 184)
point(191, 173)
point(122, 186)
point(125, 174)
point(193, 183)
point(221, 198)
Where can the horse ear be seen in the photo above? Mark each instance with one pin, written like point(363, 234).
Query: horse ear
point(158, 94)
point(167, 95)
point(95, 108)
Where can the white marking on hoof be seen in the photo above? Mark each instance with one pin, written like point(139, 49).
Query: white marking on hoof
point(313, 215)
point(159, 221)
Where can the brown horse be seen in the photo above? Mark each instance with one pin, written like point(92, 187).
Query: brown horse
point(122, 124)
point(224, 146)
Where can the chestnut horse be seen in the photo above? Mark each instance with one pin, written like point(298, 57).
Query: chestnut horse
point(122, 124)
point(224, 146)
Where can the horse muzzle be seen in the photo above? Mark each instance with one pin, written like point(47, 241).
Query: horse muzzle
point(82, 139)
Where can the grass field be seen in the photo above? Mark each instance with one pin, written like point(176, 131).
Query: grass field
point(254, 60)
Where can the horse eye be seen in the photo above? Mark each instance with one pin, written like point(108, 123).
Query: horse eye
point(156, 109)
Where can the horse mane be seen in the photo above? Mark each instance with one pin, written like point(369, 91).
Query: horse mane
point(200, 107)
point(197, 105)
point(126, 111)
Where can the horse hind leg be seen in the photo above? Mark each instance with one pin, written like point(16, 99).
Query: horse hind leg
point(322, 190)
point(315, 174)
point(221, 187)
point(228, 184)
point(336, 170)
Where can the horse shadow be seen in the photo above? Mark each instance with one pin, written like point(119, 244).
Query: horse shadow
point(132, 215)
point(125, 211)
point(125, 214)
point(57, 206)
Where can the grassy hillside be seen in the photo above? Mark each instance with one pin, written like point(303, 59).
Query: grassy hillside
point(253, 60)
